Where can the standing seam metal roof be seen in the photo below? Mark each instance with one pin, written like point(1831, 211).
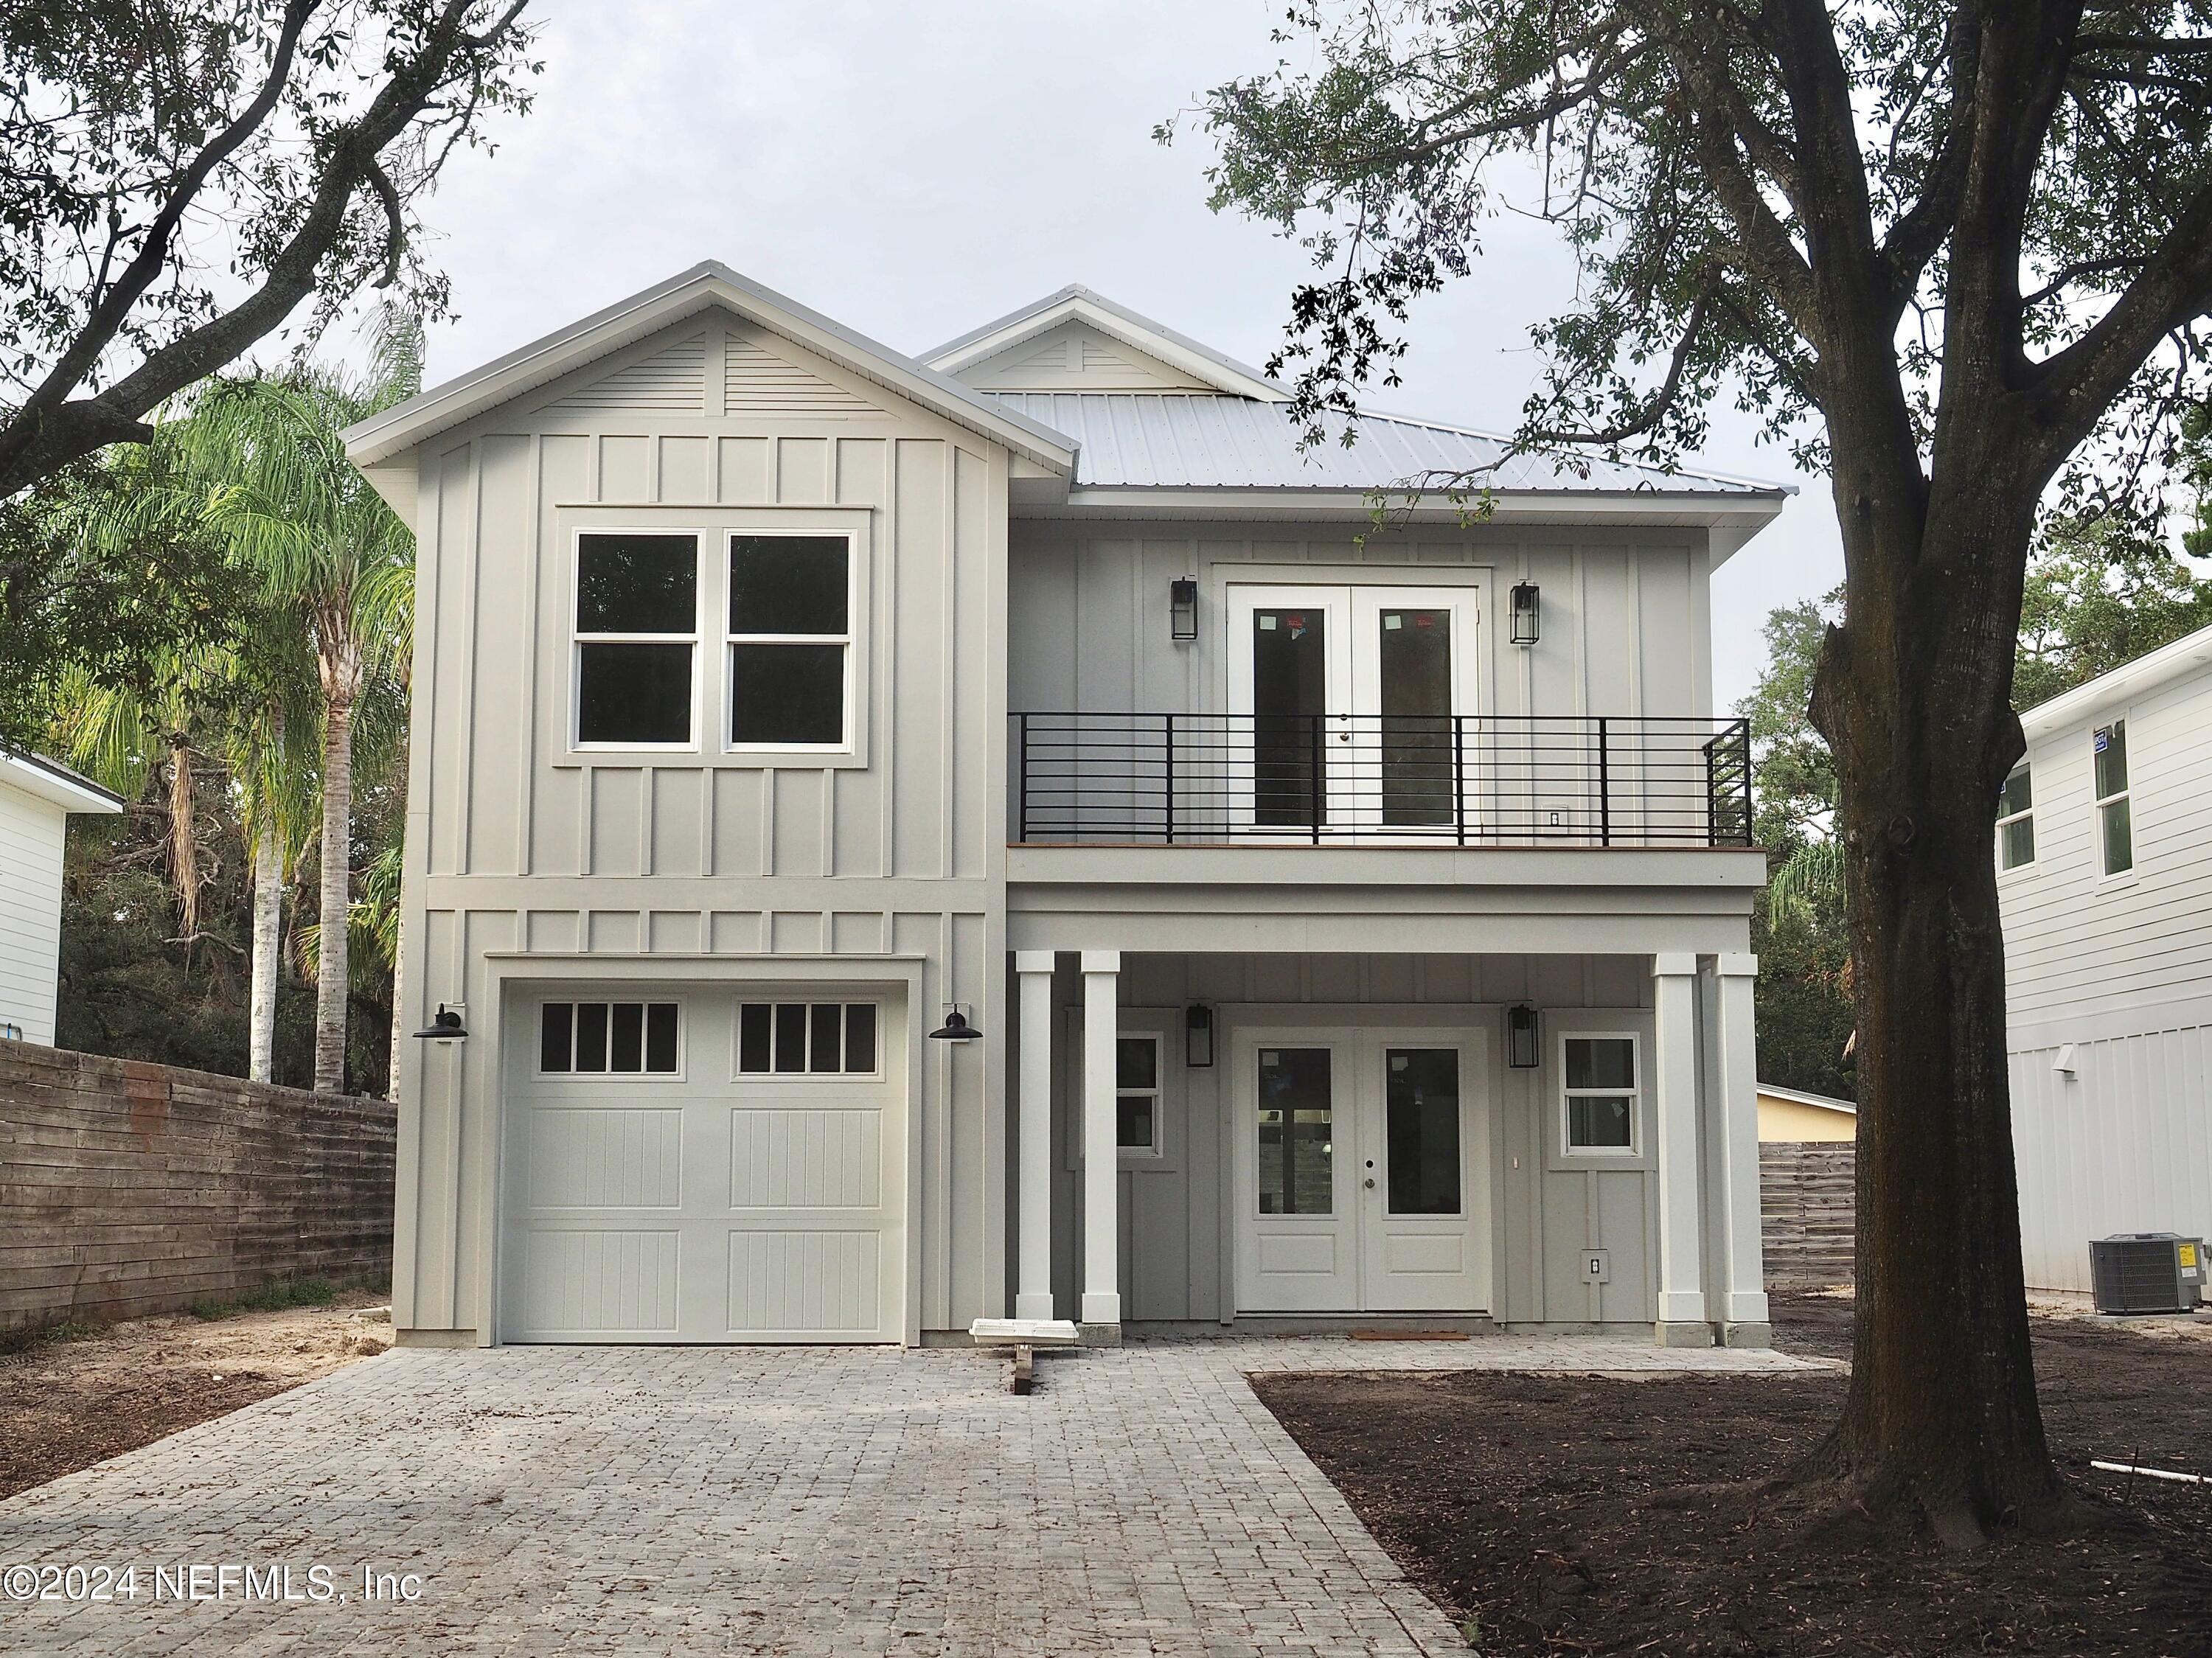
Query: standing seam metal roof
point(1145, 439)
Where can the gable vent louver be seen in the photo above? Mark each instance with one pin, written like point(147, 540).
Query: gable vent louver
point(671, 381)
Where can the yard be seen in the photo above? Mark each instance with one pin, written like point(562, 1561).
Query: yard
point(81, 1397)
point(1566, 1514)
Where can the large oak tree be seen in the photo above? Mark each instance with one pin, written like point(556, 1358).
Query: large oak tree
point(1959, 253)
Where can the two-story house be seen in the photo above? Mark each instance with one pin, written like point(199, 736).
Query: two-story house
point(2105, 886)
point(910, 840)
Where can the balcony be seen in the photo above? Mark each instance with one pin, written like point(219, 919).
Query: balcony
point(1380, 780)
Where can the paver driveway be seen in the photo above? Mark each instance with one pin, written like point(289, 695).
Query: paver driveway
point(758, 1501)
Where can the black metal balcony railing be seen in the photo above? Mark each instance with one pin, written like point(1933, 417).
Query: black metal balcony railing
point(1463, 779)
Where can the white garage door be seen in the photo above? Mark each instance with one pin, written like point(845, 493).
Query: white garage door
point(705, 1167)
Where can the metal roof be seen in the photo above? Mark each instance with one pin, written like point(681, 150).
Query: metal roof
point(1192, 441)
point(1117, 320)
point(55, 783)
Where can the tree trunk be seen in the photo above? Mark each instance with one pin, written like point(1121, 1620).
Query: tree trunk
point(1913, 694)
point(337, 894)
point(268, 921)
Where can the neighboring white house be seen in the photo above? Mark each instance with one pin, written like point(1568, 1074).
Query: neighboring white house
point(1335, 955)
point(2104, 848)
point(36, 797)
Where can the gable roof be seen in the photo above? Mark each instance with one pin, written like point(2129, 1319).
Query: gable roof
point(54, 783)
point(385, 436)
point(1201, 363)
point(2170, 661)
point(1798, 1097)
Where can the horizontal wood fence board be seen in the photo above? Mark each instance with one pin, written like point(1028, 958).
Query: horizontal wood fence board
point(1807, 1197)
point(133, 1188)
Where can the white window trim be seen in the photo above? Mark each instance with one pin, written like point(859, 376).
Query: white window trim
point(803, 1079)
point(1146, 1156)
point(2098, 803)
point(1164, 1022)
point(601, 1078)
point(578, 639)
point(2006, 822)
point(850, 639)
point(1631, 1153)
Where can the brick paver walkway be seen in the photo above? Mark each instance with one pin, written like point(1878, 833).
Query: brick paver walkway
point(762, 1501)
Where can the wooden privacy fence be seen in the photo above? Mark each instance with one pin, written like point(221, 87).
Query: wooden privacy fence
point(129, 1188)
point(1807, 1196)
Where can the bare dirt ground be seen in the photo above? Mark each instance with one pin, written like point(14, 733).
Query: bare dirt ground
point(67, 1404)
point(1586, 1515)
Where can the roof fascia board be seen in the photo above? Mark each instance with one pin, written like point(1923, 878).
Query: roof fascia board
point(1735, 511)
point(702, 287)
point(56, 785)
point(2185, 655)
point(1140, 333)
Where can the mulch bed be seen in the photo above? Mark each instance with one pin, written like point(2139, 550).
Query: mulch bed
point(1565, 1515)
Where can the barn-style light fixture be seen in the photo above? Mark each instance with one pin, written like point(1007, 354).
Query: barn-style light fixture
point(1183, 610)
point(1527, 608)
point(1198, 1037)
point(1520, 1037)
point(446, 1027)
point(955, 1028)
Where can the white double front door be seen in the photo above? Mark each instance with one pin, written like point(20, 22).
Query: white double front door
point(1362, 1170)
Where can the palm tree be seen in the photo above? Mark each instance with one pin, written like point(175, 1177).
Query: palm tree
point(323, 543)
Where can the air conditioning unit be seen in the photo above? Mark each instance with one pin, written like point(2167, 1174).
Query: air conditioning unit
point(2147, 1272)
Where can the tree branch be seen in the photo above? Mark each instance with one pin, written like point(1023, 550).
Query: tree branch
point(1656, 407)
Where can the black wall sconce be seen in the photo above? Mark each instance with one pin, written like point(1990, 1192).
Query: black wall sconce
point(1198, 1037)
point(446, 1027)
point(1183, 610)
point(955, 1029)
point(1520, 1037)
point(1527, 615)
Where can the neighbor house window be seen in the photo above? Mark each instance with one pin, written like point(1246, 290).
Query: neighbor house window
point(2016, 820)
point(1601, 1093)
point(790, 640)
point(803, 1039)
point(2115, 829)
point(637, 639)
point(1137, 1097)
point(607, 1038)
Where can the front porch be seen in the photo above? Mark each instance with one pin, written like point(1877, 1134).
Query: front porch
point(1274, 1140)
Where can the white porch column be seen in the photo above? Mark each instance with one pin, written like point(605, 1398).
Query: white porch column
point(1682, 1312)
point(1740, 1297)
point(1033, 1264)
point(1101, 1221)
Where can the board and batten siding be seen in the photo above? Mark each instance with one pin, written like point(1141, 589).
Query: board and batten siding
point(1542, 1214)
point(32, 832)
point(2121, 970)
point(1626, 613)
point(518, 846)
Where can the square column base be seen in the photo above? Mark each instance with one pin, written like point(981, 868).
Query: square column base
point(1683, 1335)
point(1034, 1304)
point(1102, 1307)
point(1100, 1336)
point(1747, 1335)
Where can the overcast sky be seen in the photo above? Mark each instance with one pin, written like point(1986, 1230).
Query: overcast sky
point(914, 169)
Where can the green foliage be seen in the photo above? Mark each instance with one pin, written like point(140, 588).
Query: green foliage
point(280, 1296)
point(2099, 594)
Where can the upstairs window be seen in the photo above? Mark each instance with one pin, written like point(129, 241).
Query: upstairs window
point(637, 640)
point(2016, 820)
point(790, 641)
point(1600, 1091)
point(2115, 829)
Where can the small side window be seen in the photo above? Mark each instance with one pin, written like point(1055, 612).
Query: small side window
point(2116, 844)
point(1137, 1126)
point(1600, 1094)
point(2016, 820)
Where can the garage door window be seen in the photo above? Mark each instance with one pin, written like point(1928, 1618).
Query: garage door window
point(806, 1039)
point(607, 1038)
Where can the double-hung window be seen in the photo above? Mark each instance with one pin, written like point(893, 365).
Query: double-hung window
point(2016, 820)
point(2116, 843)
point(637, 640)
point(1601, 1094)
point(790, 641)
point(1137, 1095)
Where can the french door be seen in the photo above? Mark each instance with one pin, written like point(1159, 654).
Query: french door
point(1345, 697)
point(1362, 1172)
